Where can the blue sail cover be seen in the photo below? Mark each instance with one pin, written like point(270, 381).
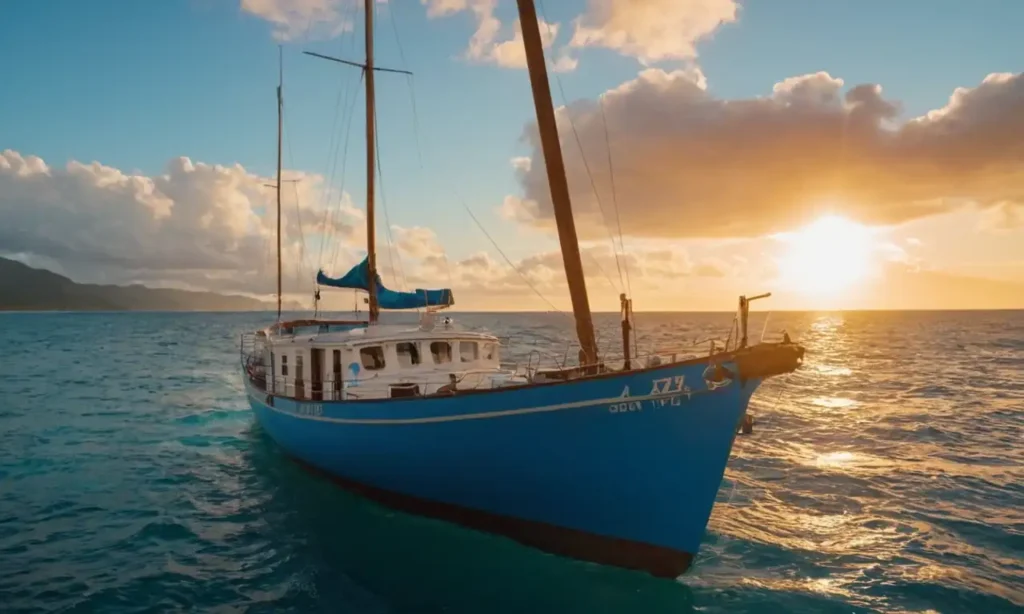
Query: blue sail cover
point(357, 279)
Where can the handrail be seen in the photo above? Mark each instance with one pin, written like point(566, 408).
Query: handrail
point(535, 358)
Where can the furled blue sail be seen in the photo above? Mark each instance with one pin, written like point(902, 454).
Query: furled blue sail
point(358, 279)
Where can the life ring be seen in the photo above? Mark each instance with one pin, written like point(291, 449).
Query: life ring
point(717, 376)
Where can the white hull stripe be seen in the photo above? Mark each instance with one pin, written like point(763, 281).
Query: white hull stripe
point(479, 415)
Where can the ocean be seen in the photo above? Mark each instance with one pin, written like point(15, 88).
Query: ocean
point(886, 475)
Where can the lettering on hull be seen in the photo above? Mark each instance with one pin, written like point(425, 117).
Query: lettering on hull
point(675, 387)
point(619, 408)
point(309, 409)
point(667, 385)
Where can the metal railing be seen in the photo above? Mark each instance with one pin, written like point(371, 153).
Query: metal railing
point(525, 367)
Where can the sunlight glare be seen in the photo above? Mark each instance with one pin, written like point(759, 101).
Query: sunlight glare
point(827, 256)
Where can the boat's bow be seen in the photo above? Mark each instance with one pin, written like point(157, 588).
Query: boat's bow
point(766, 360)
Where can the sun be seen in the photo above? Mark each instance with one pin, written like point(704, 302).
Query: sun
point(827, 256)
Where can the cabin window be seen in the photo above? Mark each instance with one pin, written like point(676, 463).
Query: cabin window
point(408, 354)
point(489, 351)
point(284, 364)
point(442, 352)
point(468, 351)
point(372, 357)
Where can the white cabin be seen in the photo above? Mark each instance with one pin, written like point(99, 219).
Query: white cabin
point(379, 361)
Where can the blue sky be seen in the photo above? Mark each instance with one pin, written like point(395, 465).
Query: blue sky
point(135, 84)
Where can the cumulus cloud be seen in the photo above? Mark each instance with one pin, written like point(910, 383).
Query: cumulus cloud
point(294, 19)
point(688, 164)
point(651, 30)
point(488, 46)
point(1003, 217)
point(424, 264)
point(196, 225)
point(213, 227)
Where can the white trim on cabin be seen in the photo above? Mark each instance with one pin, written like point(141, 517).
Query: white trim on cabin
point(371, 366)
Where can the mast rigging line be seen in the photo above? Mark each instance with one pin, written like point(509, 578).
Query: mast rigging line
point(393, 250)
point(332, 162)
point(344, 176)
point(615, 199)
point(510, 263)
point(631, 315)
point(298, 205)
point(586, 166)
point(561, 200)
point(334, 144)
point(412, 94)
point(368, 70)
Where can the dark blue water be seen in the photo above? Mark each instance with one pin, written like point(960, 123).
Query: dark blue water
point(887, 475)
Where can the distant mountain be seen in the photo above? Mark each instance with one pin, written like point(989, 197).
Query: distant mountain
point(23, 288)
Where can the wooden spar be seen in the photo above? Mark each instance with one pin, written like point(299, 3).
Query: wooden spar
point(371, 248)
point(557, 181)
point(280, 104)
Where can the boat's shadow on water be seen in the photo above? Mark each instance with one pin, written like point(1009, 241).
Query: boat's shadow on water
point(347, 553)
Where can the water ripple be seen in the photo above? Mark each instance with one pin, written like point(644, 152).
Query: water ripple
point(885, 476)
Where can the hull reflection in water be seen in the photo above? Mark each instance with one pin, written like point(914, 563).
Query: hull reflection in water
point(620, 468)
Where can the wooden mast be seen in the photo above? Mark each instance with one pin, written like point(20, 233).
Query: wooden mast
point(371, 259)
point(280, 104)
point(557, 181)
point(371, 156)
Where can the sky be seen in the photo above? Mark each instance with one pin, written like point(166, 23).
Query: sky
point(840, 155)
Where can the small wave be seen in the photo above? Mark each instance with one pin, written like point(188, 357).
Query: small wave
point(877, 479)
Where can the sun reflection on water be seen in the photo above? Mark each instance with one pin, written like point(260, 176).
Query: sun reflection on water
point(834, 458)
point(834, 402)
point(877, 466)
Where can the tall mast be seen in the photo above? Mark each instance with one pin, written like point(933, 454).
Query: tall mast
point(371, 142)
point(371, 259)
point(280, 104)
point(557, 182)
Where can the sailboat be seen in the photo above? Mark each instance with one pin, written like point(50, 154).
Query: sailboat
point(612, 462)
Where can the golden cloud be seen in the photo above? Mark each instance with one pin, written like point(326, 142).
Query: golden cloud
point(651, 30)
point(688, 164)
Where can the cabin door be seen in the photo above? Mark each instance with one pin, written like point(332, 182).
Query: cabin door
point(336, 380)
point(316, 373)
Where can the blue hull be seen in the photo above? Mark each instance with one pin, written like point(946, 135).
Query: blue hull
point(621, 468)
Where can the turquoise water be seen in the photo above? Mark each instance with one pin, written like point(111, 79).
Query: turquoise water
point(887, 475)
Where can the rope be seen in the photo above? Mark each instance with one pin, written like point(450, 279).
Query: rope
point(615, 200)
point(392, 249)
point(586, 166)
point(344, 163)
point(298, 208)
point(510, 263)
point(409, 82)
point(334, 144)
